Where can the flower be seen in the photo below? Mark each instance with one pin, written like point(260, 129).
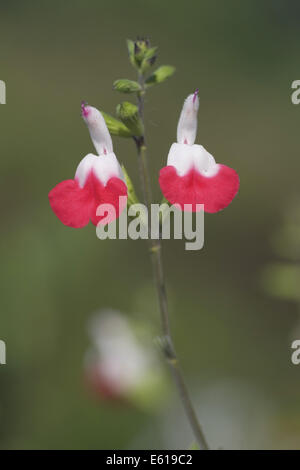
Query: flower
point(99, 179)
point(119, 365)
point(192, 175)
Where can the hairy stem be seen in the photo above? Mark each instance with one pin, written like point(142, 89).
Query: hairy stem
point(158, 274)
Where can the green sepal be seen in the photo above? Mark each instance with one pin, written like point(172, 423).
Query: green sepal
point(160, 75)
point(124, 85)
point(150, 53)
point(151, 393)
point(149, 59)
point(115, 126)
point(131, 195)
point(129, 115)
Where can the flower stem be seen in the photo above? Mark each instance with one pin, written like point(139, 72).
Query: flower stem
point(158, 274)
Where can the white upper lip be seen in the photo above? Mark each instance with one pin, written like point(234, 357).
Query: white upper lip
point(104, 167)
point(186, 157)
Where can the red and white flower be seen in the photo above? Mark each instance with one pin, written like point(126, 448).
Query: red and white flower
point(117, 363)
point(192, 175)
point(98, 180)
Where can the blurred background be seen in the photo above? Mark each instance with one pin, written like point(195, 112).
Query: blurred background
point(232, 327)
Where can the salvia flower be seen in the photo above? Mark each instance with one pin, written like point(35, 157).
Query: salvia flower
point(98, 180)
point(118, 365)
point(192, 175)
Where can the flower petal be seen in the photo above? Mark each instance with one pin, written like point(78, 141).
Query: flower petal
point(185, 157)
point(109, 194)
point(71, 203)
point(106, 167)
point(187, 124)
point(76, 206)
point(100, 385)
point(215, 192)
point(84, 168)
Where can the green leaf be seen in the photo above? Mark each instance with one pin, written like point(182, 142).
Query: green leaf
point(115, 126)
point(131, 52)
point(160, 75)
point(126, 86)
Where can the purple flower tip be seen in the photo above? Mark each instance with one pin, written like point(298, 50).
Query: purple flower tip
point(195, 94)
point(84, 110)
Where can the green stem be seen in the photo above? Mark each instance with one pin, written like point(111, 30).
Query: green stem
point(158, 274)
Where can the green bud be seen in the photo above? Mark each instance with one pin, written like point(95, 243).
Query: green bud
point(141, 47)
point(132, 197)
point(160, 75)
point(149, 59)
point(115, 126)
point(142, 56)
point(126, 86)
point(129, 115)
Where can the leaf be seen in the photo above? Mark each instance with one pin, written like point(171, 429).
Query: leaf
point(160, 75)
point(131, 52)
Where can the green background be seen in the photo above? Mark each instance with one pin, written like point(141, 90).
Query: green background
point(233, 338)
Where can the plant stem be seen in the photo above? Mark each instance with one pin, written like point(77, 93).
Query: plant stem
point(158, 274)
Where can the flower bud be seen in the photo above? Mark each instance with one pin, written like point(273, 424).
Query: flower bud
point(126, 86)
point(141, 47)
point(128, 113)
point(141, 54)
